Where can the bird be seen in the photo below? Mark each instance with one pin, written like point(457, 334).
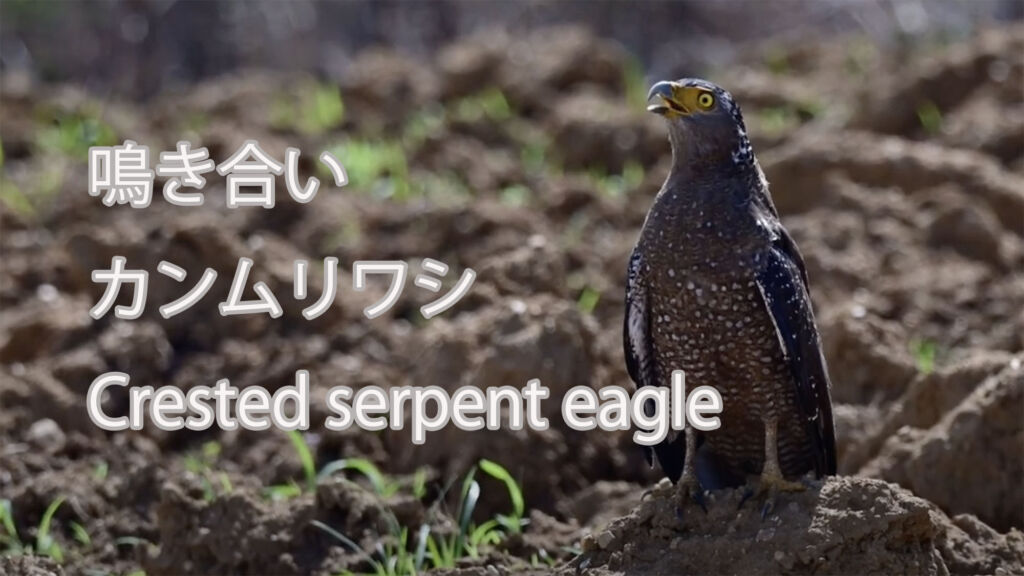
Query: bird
point(716, 287)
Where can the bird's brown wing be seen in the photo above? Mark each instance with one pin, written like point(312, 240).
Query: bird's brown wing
point(636, 340)
point(637, 347)
point(782, 281)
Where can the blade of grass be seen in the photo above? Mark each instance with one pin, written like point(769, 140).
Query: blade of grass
point(419, 483)
point(283, 491)
point(588, 300)
point(7, 519)
point(421, 546)
point(81, 534)
point(485, 533)
point(498, 472)
point(361, 465)
point(130, 541)
point(225, 483)
point(45, 544)
point(471, 493)
point(435, 553)
point(343, 539)
point(305, 457)
point(924, 352)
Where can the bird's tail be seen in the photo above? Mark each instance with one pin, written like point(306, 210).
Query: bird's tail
point(712, 472)
point(670, 455)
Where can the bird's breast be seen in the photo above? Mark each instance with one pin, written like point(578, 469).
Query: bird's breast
point(711, 325)
point(719, 332)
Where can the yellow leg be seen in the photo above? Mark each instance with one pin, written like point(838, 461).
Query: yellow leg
point(688, 488)
point(772, 481)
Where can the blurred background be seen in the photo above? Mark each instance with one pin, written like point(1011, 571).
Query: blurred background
point(139, 48)
point(510, 138)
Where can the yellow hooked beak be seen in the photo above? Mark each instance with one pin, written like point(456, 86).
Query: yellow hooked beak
point(670, 98)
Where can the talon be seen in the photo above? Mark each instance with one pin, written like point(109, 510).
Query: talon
point(747, 493)
point(775, 483)
point(688, 487)
point(770, 485)
point(698, 499)
point(772, 482)
point(689, 491)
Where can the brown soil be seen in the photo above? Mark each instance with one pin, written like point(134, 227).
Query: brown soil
point(913, 236)
point(844, 525)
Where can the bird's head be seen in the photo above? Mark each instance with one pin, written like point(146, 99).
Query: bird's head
point(704, 123)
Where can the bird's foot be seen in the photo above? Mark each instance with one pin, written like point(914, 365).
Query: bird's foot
point(688, 490)
point(664, 487)
point(747, 493)
point(769, 487)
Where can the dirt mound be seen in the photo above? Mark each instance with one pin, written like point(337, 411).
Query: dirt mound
point(946, 81)
point(29, 566)
point(243, 534)
point(840, 526)
point(927, 399)
point(986, 426)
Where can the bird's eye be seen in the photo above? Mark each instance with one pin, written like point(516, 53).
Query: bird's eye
point(705, 100)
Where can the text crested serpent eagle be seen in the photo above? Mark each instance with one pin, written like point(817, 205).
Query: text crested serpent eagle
point(717, 288)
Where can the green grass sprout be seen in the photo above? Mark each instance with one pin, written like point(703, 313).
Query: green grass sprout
point(392, 556)
point(423, 124)
point(930, 117)
point(10, 540)
point(72, 134)
point(305, 457)
point(201, 464)
point(376, 166)
point(382, 485)
point(588, 300)
point(542, 559)
point(515, 195)
point(314, 110)
point(132, 541)
point(45, 544)
point(924, 352)
point(514, 522)
point(419, 483)
point(617, 185)
point(81, 534)
point(280, 492)
point(490, 104)
point(408, 551)
point(534, 156)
